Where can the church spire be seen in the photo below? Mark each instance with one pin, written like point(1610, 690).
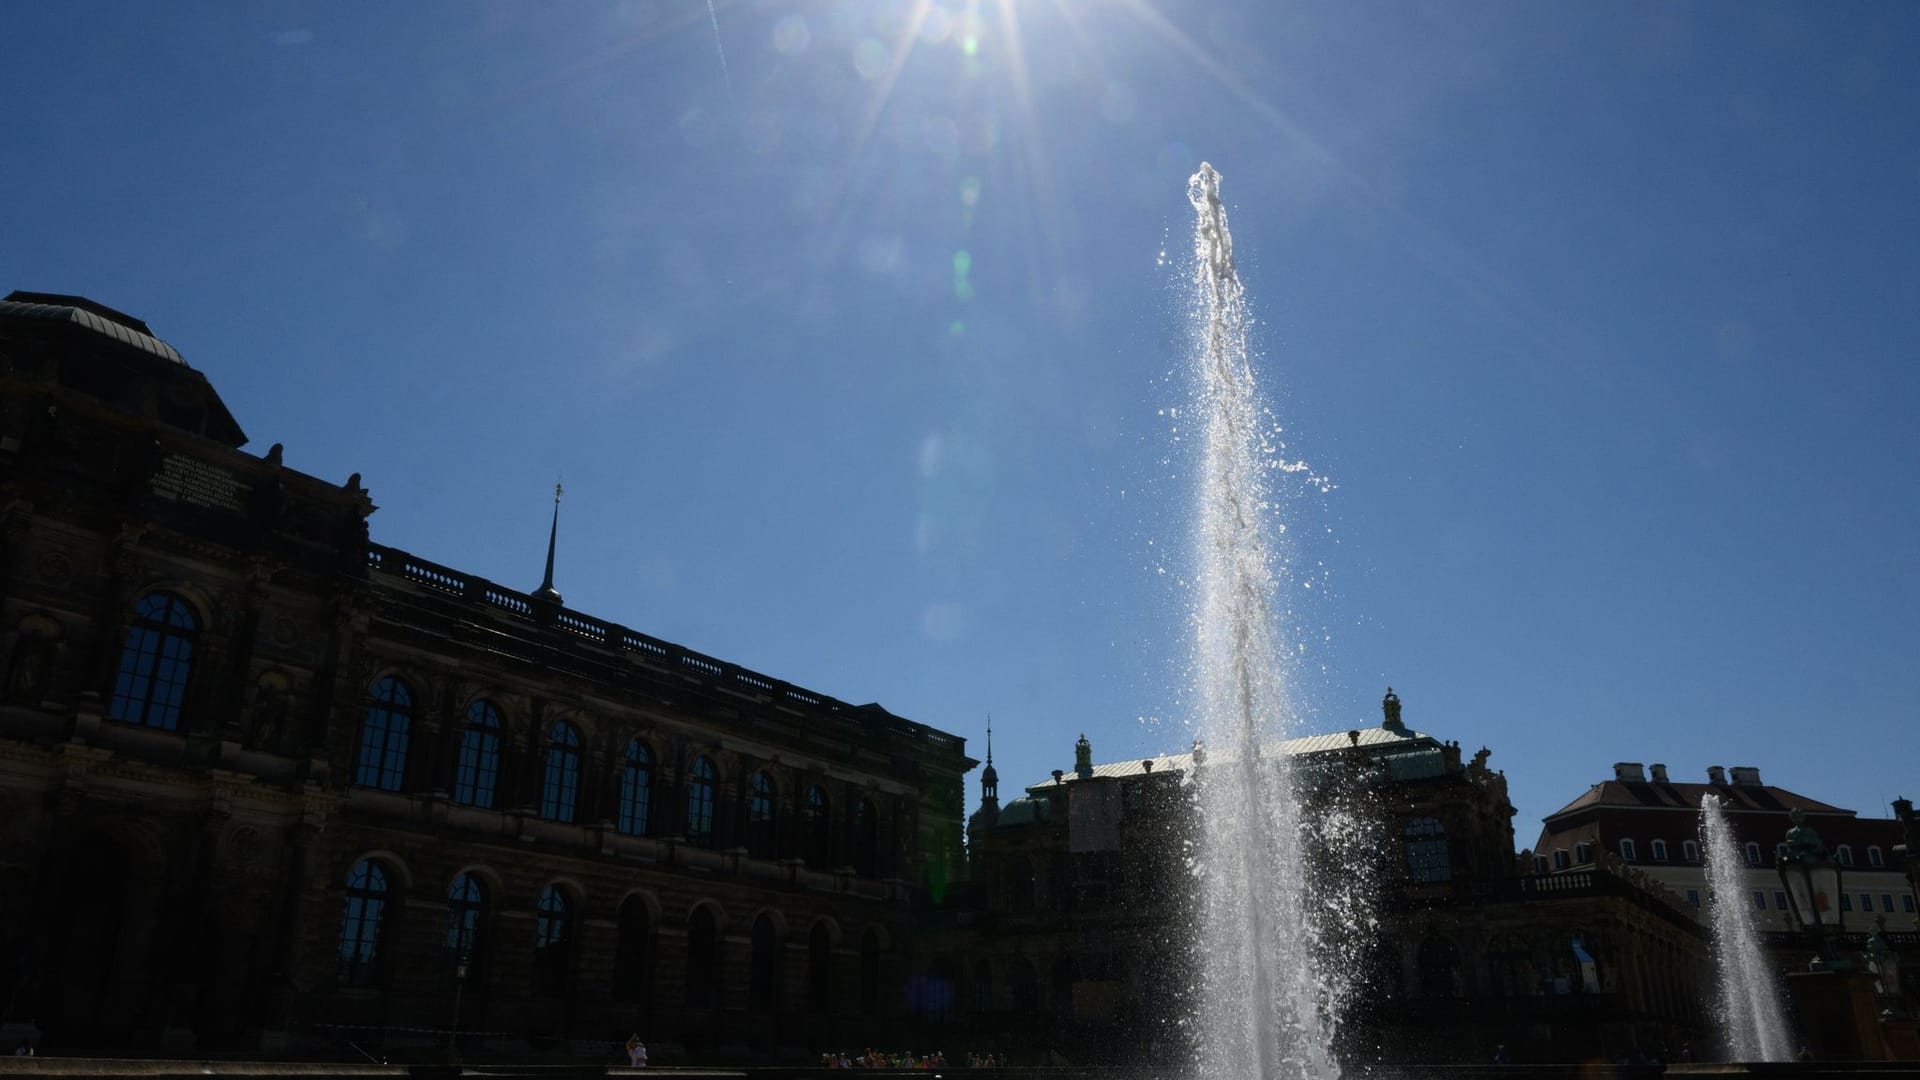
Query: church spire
point(546, 593)
point(989, 778)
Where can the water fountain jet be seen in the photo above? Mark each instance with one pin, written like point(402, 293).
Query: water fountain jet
point(1268, 1009)
point(1747, 1003)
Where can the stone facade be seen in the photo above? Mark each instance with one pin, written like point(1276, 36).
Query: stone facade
point(266, 783)
point(1081, 934)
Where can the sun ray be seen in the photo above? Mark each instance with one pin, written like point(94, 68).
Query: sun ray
point(1468, 273)
point(1036, 165)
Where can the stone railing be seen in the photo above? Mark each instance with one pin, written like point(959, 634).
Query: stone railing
point(444, 581)
point(1850, 942)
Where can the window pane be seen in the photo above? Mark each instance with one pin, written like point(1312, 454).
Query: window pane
point(553, 938)
point(1427, 856)
point(701, 782)
point(384, 735)
point(360, 925)
point(559, 788)
point(636, 789)
point(151, 683)
point(760, 828)
point(477, 770)
point(466, 905)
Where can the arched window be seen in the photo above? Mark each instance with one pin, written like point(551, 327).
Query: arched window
point(763, 981)
point(1753, 853)
point(866, 839)
point(703, 947)
point(819, 969)
point(1510, 966)
point(703, 783)
point(1874, 858)
point(477, 771)
point(819, 829)
point(1627, 850)
point(1062, 987)
point(560, 787)
point(939, 991)
point(155, 663)
point(1690, 851)
point(1439, 968)
point(1843, 854)
point(636, 789)
point(381, 761)
point(466, 914)
point(1659, 851)
point(1025, 984)
point(1427, 858)
point(630, 951)
point(552, 943)
point(870, 970)
point(1022, 895)
point(760, 822)
point(367, 897)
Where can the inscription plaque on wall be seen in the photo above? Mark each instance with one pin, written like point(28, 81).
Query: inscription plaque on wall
point(197, 483)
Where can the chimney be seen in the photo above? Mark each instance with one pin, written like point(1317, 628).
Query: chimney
point(1629, 770)
point(1746, 776)
point(1716, 775)
point(1659, 773)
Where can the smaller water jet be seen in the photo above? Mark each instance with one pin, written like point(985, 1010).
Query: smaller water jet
point(1748, 1002)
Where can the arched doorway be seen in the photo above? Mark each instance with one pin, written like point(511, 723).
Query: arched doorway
point(99, 905)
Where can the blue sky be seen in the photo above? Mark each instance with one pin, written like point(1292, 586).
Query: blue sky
point(856, 331)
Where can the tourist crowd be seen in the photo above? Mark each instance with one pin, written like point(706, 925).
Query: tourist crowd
point(879, 1059)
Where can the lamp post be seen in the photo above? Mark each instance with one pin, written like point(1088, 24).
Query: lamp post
point(459, 991)
point(1812, 881)
point(1884, 963)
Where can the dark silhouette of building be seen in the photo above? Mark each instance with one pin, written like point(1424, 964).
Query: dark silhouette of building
point(1078, 934)
point(265, 783)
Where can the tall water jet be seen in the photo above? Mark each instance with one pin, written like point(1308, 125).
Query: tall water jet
point(1747, 1004)
point(1266, 1008)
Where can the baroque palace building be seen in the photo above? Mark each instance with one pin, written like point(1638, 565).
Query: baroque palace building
point(267, 784)
point(1644, 819)
point(1077, 934)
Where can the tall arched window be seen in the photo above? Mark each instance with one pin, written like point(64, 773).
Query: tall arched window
point(982, 987)
point(477, 771)
point(155, 663)
point(760, 819)
point(763, 981)
point(367, 898)
point(552, 942)
point(560, 788)
point(1061, 983)
point(703, 784)
point(870, 970)
point(381, 761)
point(636, 789)
point(819, 829)
point(1024, 982)
point(1439, 968)
point(466, 914)
point(1427, 859)
point(630, 951)
point(819, 969)
point(1843, 854)
point(703, 948)
point(866, 839)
